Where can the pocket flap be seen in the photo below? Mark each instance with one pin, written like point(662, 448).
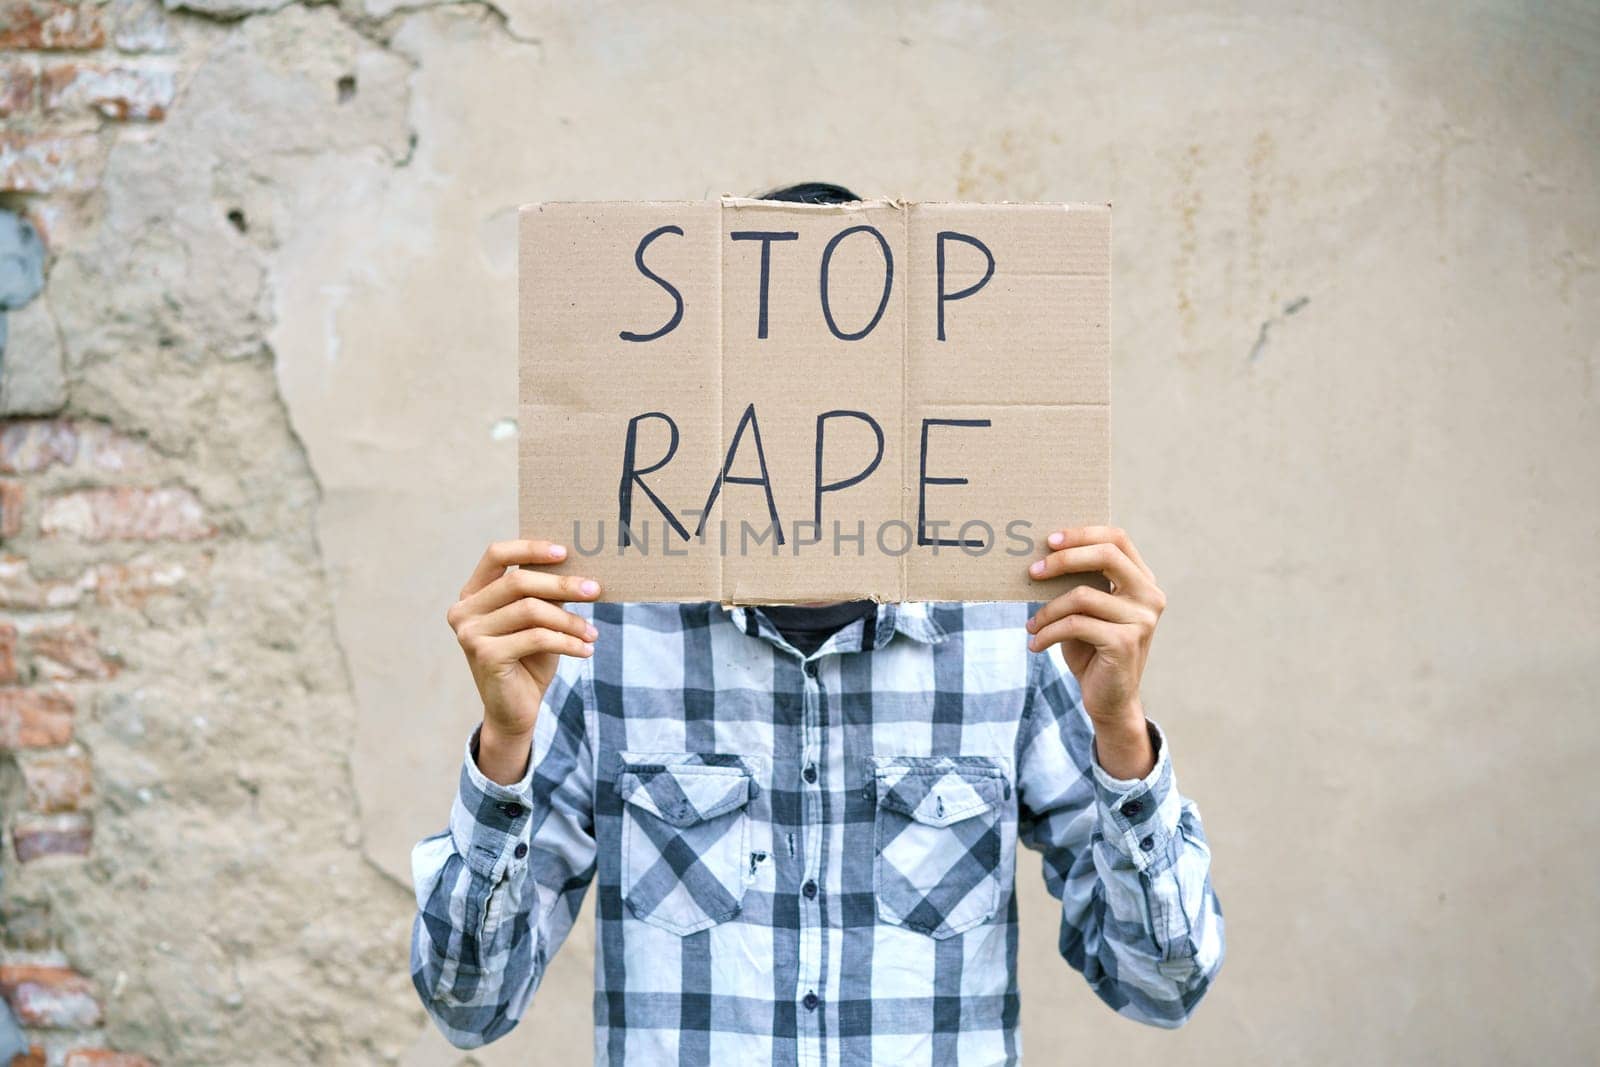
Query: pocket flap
point(684, 795)
point(939, 793)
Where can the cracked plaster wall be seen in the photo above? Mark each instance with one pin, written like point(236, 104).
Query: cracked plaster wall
point(1356, 311)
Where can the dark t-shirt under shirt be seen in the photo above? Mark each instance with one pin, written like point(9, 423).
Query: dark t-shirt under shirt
point(808, 629)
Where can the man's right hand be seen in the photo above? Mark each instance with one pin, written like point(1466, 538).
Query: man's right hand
point(513, 629)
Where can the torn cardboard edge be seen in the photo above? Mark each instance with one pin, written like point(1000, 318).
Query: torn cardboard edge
point(690, 372)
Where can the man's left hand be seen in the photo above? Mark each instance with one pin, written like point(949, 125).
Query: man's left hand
point(1105, 637)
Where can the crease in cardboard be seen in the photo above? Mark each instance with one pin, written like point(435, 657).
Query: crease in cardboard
point(722, 380)
point(905, 391)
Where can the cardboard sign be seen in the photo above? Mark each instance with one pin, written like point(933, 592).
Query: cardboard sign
point(758, 402)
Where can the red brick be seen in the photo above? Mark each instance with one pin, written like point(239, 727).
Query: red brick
point(128, 584)
point(126, 514)
point(10, 507)
point(103, 1057)
point(8, 653)
point(49, 163)
point(28, 446)
point(135, 582)
point(17, 82)
point(38, 836)
point(57, 781)
point(102, 448)
point(51, 998)
point(50, 25)
point(68, 653)
point(115, 91)
point(34, 718)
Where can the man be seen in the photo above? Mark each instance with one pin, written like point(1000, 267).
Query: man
point(803, 821)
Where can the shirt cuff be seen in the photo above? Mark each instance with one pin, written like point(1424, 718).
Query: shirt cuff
point(489, 821)
point(1139, 816)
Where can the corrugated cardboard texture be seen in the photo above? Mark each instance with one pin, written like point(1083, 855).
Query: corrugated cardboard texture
point(746, 360)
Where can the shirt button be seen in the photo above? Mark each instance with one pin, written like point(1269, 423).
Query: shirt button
point(1148, 843)
point(1132, 809)
point(521, 850)
point(810, 890)
point(510, 810)
point(810, 1002)
point(810, 773)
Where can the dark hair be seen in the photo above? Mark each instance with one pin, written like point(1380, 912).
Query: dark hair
point(812, 193)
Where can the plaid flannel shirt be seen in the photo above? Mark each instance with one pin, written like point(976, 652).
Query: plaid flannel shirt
point(809, 860)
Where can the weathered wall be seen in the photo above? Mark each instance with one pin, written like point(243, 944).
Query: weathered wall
point(185, 877)
point(259, 430)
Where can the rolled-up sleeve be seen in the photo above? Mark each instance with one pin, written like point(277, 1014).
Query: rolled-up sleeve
point(1127, 858)
point(498, 892)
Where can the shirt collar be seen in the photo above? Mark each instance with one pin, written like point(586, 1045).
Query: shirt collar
point(915, 620)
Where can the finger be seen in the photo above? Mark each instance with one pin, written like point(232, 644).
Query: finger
point(502, 554)
point(530, 613)
point(1096, 603)
point(512, 647)
point(1100, 634)
point(515, 585)
point(1090, 535)
point(1104, 558)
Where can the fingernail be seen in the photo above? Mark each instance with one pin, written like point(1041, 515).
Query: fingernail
point(1056, 540)
point(1037, 568)
point(558, 551)
point(1029, 625)
point(589, 587)
point(588, 650)
point(591, 633)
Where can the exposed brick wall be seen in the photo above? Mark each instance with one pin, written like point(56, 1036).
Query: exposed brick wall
point(70, 75)
point(49, 25)
point(76, 499)
point(180, 850)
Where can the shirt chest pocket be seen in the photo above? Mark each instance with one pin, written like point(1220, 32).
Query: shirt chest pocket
point(939, 827)
point(685, 836)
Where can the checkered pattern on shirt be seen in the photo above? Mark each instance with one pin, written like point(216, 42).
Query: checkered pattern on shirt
point(809, 860)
